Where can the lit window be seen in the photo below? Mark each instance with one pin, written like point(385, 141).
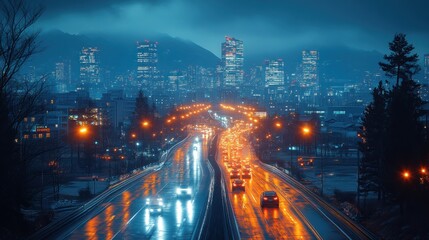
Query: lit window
point(40, 135)
point(33, 119)
point(26, 136)
point(48, 135)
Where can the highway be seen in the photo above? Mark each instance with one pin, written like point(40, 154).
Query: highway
point(126, 216)
point(297, 216)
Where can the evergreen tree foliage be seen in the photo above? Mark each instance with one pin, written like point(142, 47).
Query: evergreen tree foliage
point(142, 113)
point(401, 63)
point(405, 142)
point(373, 131)
point(392, 134)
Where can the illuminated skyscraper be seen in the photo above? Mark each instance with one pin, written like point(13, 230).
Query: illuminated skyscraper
point(274, 84)
point(424, 91)
point(232, 61)
point(147, 64)
point(309, 83)
point(274, 73)
point(310, 64)
point(89, 67)
point(63, 76)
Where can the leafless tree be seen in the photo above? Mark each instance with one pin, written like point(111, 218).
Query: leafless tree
point(18, 99)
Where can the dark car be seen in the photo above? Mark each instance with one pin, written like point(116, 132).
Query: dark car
point(247, 173)
point(238, 184)
point(269, 199)
point(234, 174)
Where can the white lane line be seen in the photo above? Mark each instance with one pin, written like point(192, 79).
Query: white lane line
point(126, 224)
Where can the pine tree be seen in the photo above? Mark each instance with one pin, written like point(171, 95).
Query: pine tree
point(372, 147)
point(404, 132)
point(143, 118)
point(401, 64)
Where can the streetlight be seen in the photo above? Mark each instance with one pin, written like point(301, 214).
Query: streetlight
point(82, 132)
point(306, 130)
point(406, 175)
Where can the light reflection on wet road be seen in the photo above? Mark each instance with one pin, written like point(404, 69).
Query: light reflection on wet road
point(126, 216)
point(294, 219)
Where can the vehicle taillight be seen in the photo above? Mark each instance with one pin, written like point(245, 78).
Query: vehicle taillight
point(275, 198)
point(265, 198)
point(235, 184)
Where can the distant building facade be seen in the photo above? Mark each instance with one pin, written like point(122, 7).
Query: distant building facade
point(232, 62)
point(63, 76)
point(147, 65)
point(310, 64)
point(310, 78)
point(89, 73)
point(274, 73)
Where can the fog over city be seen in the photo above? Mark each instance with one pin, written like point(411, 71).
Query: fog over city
point(278, 25)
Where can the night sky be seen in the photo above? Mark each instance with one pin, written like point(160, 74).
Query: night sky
point(265, 26)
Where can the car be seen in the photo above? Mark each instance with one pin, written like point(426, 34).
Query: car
point(269, 199)
point(184, 191)
point(238, 184)
point(246, 173)
point(234, 174)
point(155, 205)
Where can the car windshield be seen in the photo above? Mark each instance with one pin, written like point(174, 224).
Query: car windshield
point(270, 194)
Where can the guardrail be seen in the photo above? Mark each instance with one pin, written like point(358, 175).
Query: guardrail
point(229, 215)
point(203, 225)
point(232, 225)
point(357, 229)
point(52, 228)
point(221, 221)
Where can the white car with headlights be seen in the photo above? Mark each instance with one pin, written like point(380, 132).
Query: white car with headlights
point(184, 191)
point(155, 205)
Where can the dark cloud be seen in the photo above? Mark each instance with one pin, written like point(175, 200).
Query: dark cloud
point(60, 7)
point(367, 24)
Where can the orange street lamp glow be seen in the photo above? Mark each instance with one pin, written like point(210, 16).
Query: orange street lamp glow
point(83, 130)
point(306, 130)
point(423, 170)
point(133, 135)
point(145, 123)
point(278, 125)
point(406, 174)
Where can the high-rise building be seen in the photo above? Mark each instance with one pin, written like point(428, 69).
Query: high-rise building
point(309, 80)
point(424, 91)
point(274, 84)
point(147, 64)
point(63, 76)
point(89, 67)
point(232, 61)
point(310, 74)
point(274, 73)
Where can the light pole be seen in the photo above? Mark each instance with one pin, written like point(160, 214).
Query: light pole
point(307, 131)
point(82, 132)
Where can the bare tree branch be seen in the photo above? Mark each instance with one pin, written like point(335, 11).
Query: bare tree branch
point(17, 42)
